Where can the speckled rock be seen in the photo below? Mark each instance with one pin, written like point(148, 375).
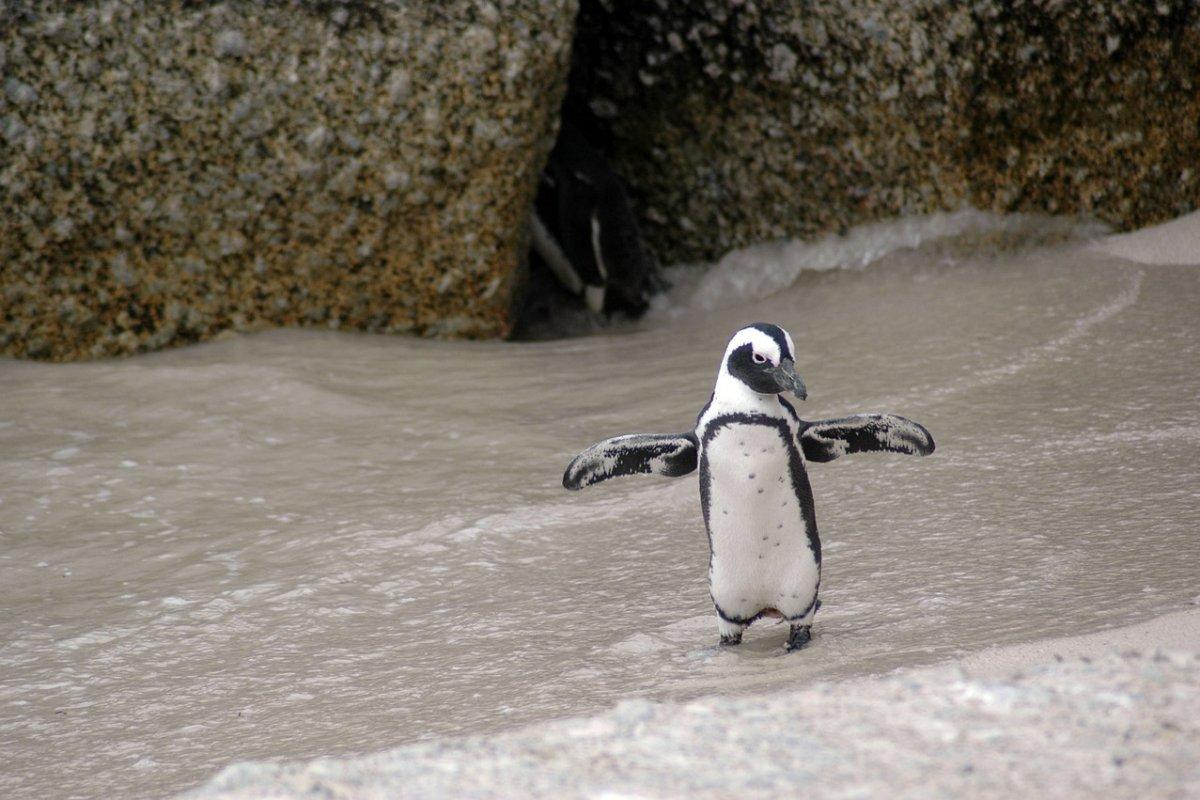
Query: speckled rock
point(1118, 727)
point(737, 122)
point(170, 170)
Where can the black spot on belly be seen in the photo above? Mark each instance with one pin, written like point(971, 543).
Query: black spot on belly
point(760, 491)
point(751, 476)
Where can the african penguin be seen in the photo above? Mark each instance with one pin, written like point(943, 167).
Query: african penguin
point(584, 230)
point(750, 447)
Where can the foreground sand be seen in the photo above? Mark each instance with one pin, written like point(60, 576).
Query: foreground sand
point(1110, 714)
point(1113, 714)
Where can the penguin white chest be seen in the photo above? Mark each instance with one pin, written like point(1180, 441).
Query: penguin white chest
point(761, 553)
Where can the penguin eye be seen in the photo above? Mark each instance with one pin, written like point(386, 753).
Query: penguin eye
point(759, 358)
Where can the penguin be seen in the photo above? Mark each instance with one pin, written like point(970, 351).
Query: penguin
point(750, 447)
point(583, 229)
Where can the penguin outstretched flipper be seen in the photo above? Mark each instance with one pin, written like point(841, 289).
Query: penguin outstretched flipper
point(669, 454)
point(749, 447)
point(827, 439)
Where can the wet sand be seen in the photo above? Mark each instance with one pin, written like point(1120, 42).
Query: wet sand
point(304, 543)
point(1174, 242)
point(1114, 714)
point(1178, 632)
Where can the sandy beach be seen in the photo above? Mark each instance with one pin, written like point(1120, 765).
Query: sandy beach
point(1112, 714)
point(301, 544)
point(1174, 242)
point(324, 326)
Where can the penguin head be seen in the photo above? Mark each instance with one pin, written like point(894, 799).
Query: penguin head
point(761, 356)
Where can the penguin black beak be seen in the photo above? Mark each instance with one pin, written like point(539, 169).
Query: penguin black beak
point(787, 379)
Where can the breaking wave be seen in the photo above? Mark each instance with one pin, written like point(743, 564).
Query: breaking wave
point(759, 271)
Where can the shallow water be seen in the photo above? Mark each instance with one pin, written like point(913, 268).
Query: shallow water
point(302, 543)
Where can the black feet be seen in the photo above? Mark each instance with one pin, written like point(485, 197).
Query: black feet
point(729, 641)
point(799, 636)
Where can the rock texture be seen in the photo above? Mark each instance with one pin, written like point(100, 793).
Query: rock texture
point(759, 119)
point(1123, 726)
point(169, 170)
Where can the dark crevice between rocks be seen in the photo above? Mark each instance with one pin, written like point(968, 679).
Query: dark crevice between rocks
point(671, 53)
point(587, 208)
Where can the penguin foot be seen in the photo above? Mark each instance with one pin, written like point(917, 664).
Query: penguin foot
point(731, 640)
point(799, 636)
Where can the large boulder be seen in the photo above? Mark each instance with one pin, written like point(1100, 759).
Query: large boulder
point(738, 121)
point(169, 170)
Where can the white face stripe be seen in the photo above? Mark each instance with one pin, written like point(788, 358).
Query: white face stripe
point(594, 296)
point(760, 341)
point(554, 257)
point(732, 391)
point(596, 251)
